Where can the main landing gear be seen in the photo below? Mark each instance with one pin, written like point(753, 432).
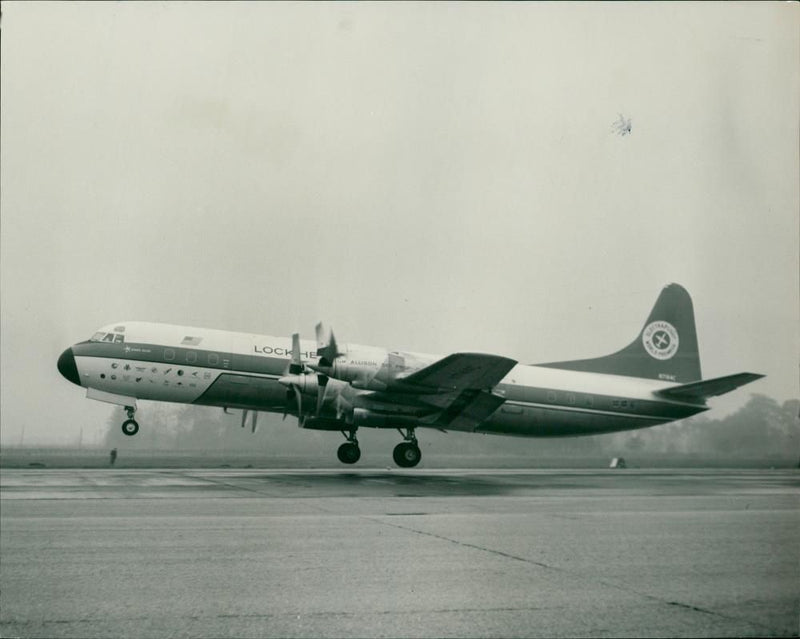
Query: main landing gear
point(349, 452)
point(407, 454)
point(130, 426)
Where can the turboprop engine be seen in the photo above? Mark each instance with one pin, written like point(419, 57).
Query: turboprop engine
point(316, 389)
point(363, 367)
point(357, 365)
point(331, 394)
point(326, 395)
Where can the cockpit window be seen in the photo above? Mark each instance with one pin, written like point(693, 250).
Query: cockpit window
point(102, 336)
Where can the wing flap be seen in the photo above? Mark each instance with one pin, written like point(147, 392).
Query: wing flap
point(469, 410)
point(708, 387)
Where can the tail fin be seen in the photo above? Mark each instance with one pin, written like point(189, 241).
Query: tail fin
point(665, 349)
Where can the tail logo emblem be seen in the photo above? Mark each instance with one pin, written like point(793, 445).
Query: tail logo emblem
point(660, 340)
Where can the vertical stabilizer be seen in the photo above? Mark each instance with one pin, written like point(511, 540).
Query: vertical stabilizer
point(665, 349)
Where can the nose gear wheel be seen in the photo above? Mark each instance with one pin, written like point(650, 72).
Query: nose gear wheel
point(130, 426)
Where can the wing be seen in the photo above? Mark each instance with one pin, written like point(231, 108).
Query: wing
point(461, 371)
point(457, 389)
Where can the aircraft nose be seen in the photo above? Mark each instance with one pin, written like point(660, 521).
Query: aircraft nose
point(67, 366)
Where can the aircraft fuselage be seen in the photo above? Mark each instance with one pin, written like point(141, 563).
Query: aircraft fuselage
point(162, 362)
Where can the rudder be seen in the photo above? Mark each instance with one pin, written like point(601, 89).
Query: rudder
point(665, 349)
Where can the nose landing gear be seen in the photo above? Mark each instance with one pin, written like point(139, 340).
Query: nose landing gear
point(130, 426)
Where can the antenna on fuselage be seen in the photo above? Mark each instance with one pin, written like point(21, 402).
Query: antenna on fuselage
point(253, 421)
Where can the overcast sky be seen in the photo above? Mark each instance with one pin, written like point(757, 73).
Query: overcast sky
point(429, 177)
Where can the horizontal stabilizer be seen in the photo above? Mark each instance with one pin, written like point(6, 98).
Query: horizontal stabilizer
point(462, 371)
point(708, 387)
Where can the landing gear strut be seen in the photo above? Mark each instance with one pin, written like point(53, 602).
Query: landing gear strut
point(349, 452)
point(130, 427)
point(407, 454)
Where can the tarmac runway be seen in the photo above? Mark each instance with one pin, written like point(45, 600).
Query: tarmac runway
point(399, 553)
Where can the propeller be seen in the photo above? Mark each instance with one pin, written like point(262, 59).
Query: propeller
point(322, 383)
point(297, 380)
point(295, 369)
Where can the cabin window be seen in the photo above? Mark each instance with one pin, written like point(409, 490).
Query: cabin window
point(551, 396)
point(169, 354)
point(191, 357)
point(99, 335)
point(213, 359)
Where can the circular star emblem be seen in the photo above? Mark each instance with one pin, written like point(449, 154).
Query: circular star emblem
point(660, 340)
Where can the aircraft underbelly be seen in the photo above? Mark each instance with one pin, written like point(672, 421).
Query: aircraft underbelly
point(537, 421)
point(244, 391)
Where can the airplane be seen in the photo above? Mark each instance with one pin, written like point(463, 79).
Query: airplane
point(653, 380)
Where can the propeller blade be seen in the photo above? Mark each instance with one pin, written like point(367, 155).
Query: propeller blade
point(322, 380)
point(296, 366)
point(299, 397)
point(254, 425)
point(244, 417)
point(293, 392)
point(343, 405)
point(326, 347)
point(319, 331)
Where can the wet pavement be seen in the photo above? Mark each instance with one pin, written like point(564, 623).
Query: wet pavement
point(391, 553)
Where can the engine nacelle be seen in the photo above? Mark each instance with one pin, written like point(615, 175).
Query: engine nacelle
point(363, 417)
point(357, 366)
point(322, 423)
point(306, 384)
point(372, 369)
